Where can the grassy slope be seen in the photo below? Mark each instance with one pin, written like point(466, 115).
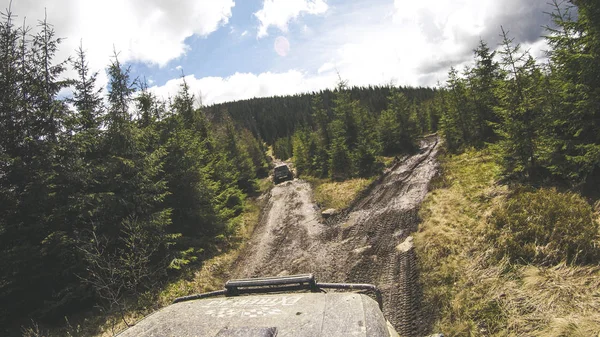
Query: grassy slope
point(466, 292)
point(338, 195)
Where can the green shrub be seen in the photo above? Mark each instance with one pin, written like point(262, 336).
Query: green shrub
point(545, 227)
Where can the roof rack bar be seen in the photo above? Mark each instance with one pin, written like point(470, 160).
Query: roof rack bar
point(280, 284)
point(308, 279)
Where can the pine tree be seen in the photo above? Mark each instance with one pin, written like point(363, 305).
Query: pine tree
point(366, 147)
point(193, 193)
point(397, 131)
point(240, 157)
point(521, 109)
point(435, 111)
point(459, 110)
point(14, 231)
point(79, 163)
point(353, 142)
point(320, 118)
point(345, 112)
point(421, 116)
point(344, 134)
point(87, 98)
point(574, 55)
point(10, 122)
point(322, 138)
point(120, 94)
point(283, 148)
point(150, 109)
point(485, 76)
point(302, 158)
point(48, 82)
point(257, 152)
point(340, 162)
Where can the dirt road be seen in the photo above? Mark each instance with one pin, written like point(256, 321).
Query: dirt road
point(360, 245)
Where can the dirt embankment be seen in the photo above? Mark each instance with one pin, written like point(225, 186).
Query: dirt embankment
point(360, 245)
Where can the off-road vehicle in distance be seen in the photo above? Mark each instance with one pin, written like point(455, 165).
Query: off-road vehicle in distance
point(282, 172)
point(289, 306)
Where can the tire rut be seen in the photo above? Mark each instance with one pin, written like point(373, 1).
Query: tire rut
point(365, 244)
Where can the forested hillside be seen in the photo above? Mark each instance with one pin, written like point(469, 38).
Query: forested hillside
point(339, 133)
point(273, 118)
point(102, 198)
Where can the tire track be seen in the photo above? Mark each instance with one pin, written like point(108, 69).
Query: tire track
point(365, 244)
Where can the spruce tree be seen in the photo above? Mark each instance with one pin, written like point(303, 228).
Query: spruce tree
point(459, 110)
point(397, 131)
point(485, 76)
point(340, 162)
point(343, 132)
point(302, 159)
point(150, 108)
point(320, 161)
point(575, 57)
point(283, 148)
point(48, 81)
point(366, 147)
point(87, 98)
point(520, 109)
point(239, 156)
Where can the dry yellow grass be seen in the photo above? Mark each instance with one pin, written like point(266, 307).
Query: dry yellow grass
point(387, 161)
point(338, 195)
point(468, 293)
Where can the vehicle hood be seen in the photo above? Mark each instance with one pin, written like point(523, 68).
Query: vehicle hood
point(297, 314)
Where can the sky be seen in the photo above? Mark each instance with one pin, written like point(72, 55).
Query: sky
point(238, 49)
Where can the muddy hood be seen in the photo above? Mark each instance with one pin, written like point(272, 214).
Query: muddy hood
point(298, 314)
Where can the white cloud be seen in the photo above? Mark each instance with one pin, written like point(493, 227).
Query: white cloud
point(279, 13)
point(538, 50)
point(246, 85)
point(306, 30)
point(326, 67)
point(151, 31)
point(244, 33)
point(415, 42)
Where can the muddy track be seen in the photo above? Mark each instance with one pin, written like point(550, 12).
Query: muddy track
point(359, 245)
